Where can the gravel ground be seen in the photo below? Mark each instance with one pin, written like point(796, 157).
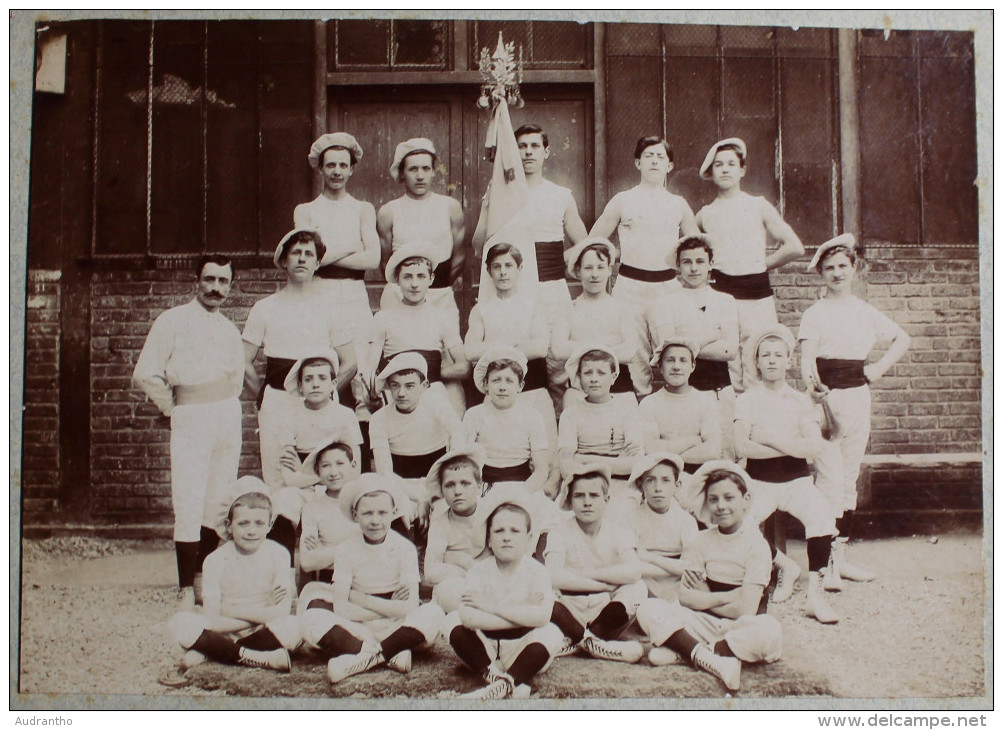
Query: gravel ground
point(96, 625)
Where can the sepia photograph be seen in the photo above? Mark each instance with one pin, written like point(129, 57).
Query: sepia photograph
point(479, 360)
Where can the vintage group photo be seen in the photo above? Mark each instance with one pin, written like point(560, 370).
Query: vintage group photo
point(501, 360)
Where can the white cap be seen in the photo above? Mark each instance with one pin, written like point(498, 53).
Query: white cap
point(708, 161)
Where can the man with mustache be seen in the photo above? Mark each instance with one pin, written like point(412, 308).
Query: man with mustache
point(192, 368)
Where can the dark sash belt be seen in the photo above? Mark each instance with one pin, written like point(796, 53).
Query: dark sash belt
point(550, 260)
point(518, 473)
point(841, 373)
point(415, 467)
point(745, 286)
point(433, 359)
point(777, 470)
point(710, 374)
point(276, 370)
point(718, 587)
point(441, 277)
point(623, 383)
point(333, 271)
point(632, 272)
point(536, 374)
point(507, 634)
point(691, 468)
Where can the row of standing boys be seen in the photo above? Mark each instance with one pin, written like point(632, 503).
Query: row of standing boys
point(540, 536)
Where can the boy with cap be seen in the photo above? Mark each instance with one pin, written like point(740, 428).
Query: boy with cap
point(595, 316)
point(664, 529)
point(719, 620)
point(346, 226)
point(593, 563)
point(837, 334)
point(600, 428)
point(777, 431)
point(738, 223)
point(370, 615)
point(679, 419)
point(513, 434)
point(418, 426)
point(420, 215)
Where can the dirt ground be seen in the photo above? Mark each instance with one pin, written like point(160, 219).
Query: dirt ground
point(93, 617)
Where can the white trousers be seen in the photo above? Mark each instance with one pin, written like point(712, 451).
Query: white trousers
point(505, 651)
point(205, 454)
point(586, 608)
point(799, 498)
point(315, 622)
point(750, 638)
point(186, 627)
point(852, 410)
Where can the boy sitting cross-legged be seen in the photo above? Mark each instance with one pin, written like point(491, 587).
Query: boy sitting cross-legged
point(371, 615)
point(716, 623)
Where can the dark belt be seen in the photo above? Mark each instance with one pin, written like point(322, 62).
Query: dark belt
point(333, 271)
point(623, 383)
point(507, 634)
point(276, 370)
point(744, 287)
point(433, 360)
point(517, 473)
point(710, 374)
point(632, 272)
point(550, 260)
point(718, 587)
point(442, 276)
point(841, 373)
point(536, 374)
point(691, 468)
point(582, 593)
point(777, 470)
point(415, 467)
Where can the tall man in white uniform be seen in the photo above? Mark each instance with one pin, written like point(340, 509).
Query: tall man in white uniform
point(192, 368)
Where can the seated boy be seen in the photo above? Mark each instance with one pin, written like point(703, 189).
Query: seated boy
point(324, 524)
point(512, 433)
point(456, 533)
point(319, 421)
point(678, 418)
point(601, 428)
point(777, 431)
point(371, 615)
point(663, 528)
point(417, 326)
point(593, 563)
point(246, 597)
point(716, 623)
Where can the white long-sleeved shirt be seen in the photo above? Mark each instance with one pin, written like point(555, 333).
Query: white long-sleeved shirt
point(189, 345)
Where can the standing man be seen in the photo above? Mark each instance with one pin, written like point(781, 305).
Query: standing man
point(192, 368)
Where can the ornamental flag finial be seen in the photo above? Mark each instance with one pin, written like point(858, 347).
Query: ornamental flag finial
point(502, 74)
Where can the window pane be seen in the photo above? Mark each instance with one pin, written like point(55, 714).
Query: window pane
point(889, 150)
point(690, 40)
point(420, 42)
point(486, 36)
point(746, 41)
point(362, 43)
point(545, 44)
point(748, 87)
point(121, 137)
point(633, 39)
point(807, 110)
point(693, 103)
point(635, 84)
point(874, 43)
point(560, 42)
point(805, 42)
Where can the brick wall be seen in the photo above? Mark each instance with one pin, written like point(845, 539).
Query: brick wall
point(40, 453)
point(928, 403)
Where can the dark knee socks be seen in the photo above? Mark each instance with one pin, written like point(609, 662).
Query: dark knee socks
point(217, 647)
point(188, 562)
point(402, 639)
point(338, 641)
point(284, 533)
point(561, 618)
point(469, 648)
point(721, 648)
point(208, 541)
point(260, 640)
point(611, 621)
point(529, 662)
point(818, 552)
point(681, 643)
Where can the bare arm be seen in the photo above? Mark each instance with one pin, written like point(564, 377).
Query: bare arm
point(481, 231)
point(574, 228)
point(474, 344)
point(790, 247)
point(560, 338)
point(654, 565)
point(252, 383)
point(609, 220)
point(688, 225)
point(809, 366)
point(348, 364)
point(385, 230)
point(741, 601)
point(540, 461)
point(900, 344)
point(436, 568)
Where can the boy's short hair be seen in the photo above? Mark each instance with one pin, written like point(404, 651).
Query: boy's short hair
point(214, 258)
point(500, 249)
point(405, 373)
point(850, 254)
point(302, 237)
point(507, 507)
point(600, 250)
point(691, 243)
point(721, 475)
point(459, 462)
point(646, 142)
point(251, 500)
point(497, 365)
point(778, 338)
point(333, 446)
point(411, 262)
point(739, 152)
point(597, 356)
point(312, 361)
point(532, 129)
point(585, 476)
point(401, 165)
